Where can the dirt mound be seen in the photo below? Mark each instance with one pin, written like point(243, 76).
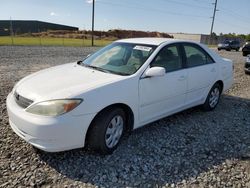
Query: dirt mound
point(110, 34)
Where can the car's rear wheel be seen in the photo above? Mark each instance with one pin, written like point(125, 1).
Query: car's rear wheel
point(213, 98)
point(107, 130)
point(244, 53)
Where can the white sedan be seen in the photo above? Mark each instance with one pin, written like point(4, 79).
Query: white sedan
point(121, 87)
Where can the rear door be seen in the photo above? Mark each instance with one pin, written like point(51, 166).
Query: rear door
point(201, 70)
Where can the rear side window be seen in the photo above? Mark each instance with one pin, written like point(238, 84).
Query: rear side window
point(196, 56)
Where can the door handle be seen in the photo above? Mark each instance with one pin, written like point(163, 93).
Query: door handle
point(182, 78)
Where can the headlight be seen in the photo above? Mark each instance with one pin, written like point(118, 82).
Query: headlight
point(54, 107)
point(226, 44)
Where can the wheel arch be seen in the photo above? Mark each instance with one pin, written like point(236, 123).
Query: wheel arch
point(128, 112)
point(220, 82)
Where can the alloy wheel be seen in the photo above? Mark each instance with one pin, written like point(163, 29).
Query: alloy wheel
point(214, 97)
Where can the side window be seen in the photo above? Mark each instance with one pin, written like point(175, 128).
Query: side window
point(196, 56)
point(168, 58)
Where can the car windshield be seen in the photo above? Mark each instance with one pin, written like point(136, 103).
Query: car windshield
point(119, 58)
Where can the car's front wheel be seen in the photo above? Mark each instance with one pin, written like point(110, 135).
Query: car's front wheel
point(107, 130)
point(213, 97)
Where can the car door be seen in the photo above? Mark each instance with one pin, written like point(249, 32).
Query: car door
point(160, 96)
point(201, 70)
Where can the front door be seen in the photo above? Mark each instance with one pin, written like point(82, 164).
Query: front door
point(161, 96)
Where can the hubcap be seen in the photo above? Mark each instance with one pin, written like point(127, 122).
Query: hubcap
point(114, 131)
point(214, 97)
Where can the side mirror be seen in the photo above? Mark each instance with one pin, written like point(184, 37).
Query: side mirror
point(155, 72)
point(79, 62)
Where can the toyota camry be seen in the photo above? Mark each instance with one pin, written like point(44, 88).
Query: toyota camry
point(123, 86)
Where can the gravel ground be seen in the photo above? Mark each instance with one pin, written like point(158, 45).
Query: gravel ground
point(190, 149)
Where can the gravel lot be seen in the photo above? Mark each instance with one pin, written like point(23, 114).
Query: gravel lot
point(189, 149)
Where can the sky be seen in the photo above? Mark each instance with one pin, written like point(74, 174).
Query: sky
point(170, 16)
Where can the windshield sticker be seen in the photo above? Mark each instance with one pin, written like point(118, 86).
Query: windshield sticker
point(142, 48)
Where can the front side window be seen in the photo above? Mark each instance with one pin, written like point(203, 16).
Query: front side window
point(196, 56)
point(168, 58)
point(120, 58)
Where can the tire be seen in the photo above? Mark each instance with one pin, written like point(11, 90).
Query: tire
point(106, 131)
point(213, 98)
point(237, 49)
point(219, 49)
point(244, 53)
point(37, 150)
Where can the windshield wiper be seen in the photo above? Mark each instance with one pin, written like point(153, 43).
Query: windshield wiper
point(94, 67)
point(102, 69)
point(99, 68)
point(120, 73)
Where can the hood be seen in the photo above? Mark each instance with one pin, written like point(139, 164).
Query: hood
point(63, 81)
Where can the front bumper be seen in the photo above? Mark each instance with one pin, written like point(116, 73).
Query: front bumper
point(247, 68)
point(50, 134)
point(247, 65)
point(246, 50)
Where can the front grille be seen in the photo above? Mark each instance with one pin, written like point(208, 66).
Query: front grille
point(22, 101)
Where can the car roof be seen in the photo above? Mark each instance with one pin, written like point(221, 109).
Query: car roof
point(152, 40)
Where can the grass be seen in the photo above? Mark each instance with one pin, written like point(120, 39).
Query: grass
point(49, 41)
point(212, 46)
point(37, 41)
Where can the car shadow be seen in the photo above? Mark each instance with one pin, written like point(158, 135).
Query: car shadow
point(173, 149)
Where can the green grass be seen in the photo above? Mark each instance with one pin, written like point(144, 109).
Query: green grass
point(212, 46)
point(37, 41)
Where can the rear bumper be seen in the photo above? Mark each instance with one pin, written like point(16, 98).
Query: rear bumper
point(228, 83)
point(223, 48)
point(50, 134)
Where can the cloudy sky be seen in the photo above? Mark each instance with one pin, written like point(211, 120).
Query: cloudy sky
point(187, 16)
